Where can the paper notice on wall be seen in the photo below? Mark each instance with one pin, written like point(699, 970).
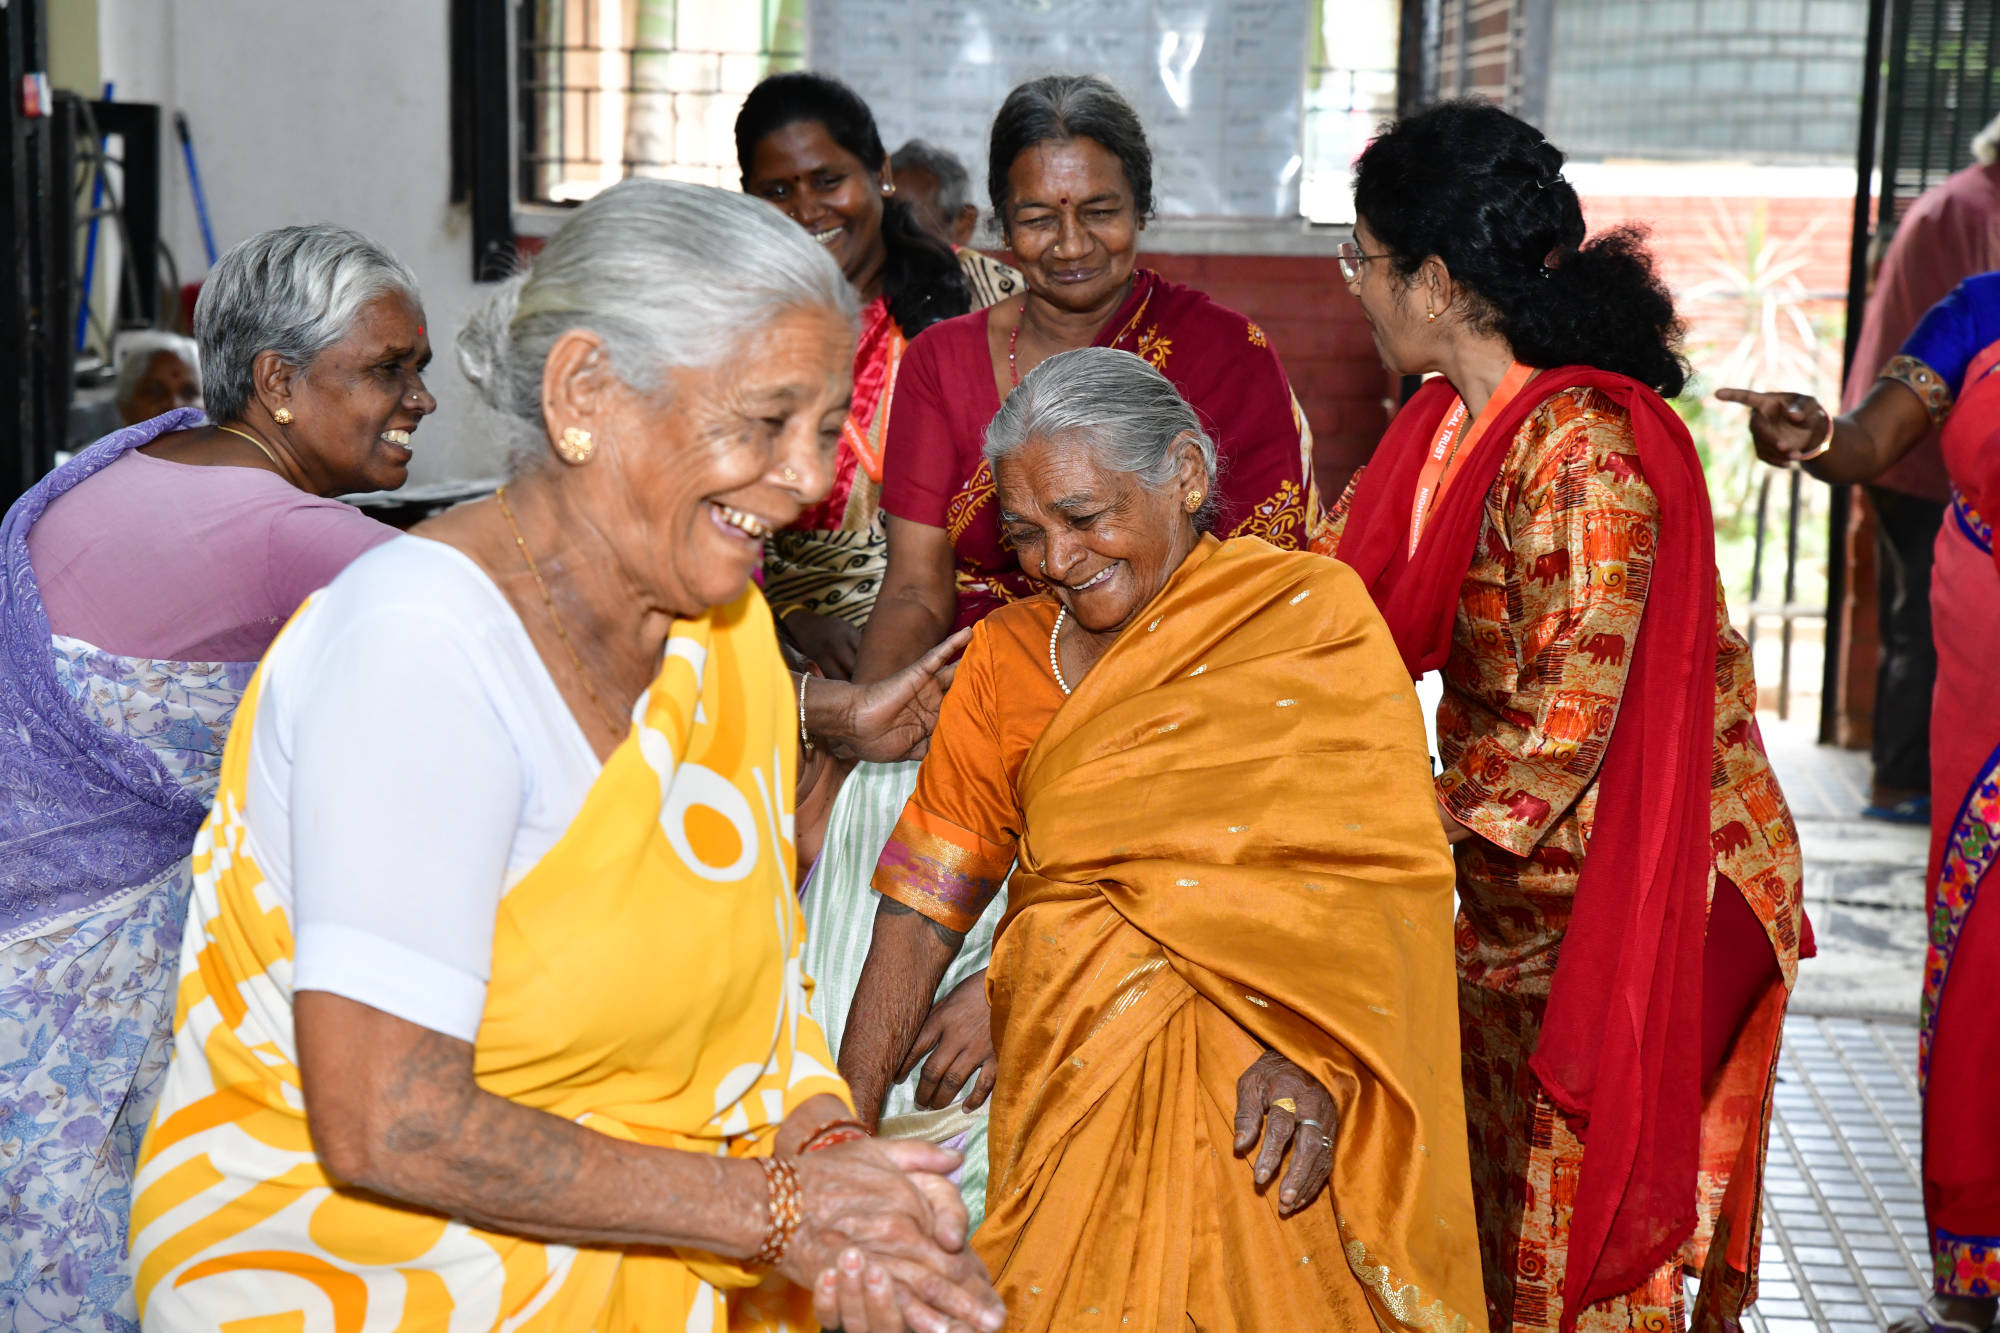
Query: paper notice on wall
point(1218, 83)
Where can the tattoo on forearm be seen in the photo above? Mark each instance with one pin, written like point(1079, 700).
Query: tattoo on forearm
point(952, 939)
point(499, 1156)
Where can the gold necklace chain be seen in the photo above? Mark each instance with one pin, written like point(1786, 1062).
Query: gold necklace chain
point(610, 720)
point(262, 447)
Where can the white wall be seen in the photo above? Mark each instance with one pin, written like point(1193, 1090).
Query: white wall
point(316, 111)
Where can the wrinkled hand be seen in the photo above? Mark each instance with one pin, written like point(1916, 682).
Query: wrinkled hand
point(882, 1243)
point(892, 719)
point(1270, 1080)
point(827, 640)
point(1785, 427)
point(958, 1033)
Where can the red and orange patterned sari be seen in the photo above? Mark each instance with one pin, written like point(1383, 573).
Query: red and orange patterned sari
point(1566, 588)
point(1221, 363)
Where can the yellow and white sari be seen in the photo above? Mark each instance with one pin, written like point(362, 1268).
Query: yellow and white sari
point(679, 864)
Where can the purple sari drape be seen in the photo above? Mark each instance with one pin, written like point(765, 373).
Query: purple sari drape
point(84, 813)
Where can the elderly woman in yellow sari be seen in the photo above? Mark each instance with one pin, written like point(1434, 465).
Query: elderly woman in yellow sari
point(1229, 922)
point(491, 1013)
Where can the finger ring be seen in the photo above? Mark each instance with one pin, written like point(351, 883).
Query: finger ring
point(1285, 1104)
point(1325, 1141)
point(1308, 1120)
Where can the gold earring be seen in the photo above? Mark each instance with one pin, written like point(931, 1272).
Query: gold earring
point(888, 189)
point(576, 446)
point(1430, 315)
point(283, 416)
point(1194, 500)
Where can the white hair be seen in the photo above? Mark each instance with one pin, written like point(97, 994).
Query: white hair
point(671, 275)
point(1126, 413)
point(295, 291)
point(1986, 143)
point(135, 353)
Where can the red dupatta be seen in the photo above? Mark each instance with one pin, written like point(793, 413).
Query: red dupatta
point(1620, 1048)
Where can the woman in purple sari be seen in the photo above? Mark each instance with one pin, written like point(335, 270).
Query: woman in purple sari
point(142, 582)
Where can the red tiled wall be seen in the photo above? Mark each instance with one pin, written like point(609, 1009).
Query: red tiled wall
point(1316, 326)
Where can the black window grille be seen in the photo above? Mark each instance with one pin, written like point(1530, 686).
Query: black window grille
point(1943, 88)
point(613, 88)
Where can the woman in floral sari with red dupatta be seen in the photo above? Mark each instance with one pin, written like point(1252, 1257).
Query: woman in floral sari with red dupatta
point(1535, 524)
point(1944, 374)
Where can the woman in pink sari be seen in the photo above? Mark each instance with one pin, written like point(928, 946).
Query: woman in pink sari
point(1943, 376)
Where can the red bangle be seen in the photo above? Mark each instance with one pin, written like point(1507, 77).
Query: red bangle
point(840, 1131)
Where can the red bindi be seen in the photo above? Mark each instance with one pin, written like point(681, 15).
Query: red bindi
point(420, 330)
point(1065, 201)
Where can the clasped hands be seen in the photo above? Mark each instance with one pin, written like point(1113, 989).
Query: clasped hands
point(881, 1245)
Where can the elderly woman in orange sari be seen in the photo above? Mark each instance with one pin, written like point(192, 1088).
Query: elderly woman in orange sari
point(1228, 924)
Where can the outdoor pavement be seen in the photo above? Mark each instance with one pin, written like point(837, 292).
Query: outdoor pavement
point(1844, 1230)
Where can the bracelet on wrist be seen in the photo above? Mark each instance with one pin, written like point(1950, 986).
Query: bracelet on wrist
point(840, 1131)
point(1825, 443)
point(785, 1208)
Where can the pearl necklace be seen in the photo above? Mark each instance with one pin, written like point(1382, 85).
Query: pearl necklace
point(1054, 665)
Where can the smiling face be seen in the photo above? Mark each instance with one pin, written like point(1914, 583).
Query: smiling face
point(1394, 307)
point(1072, 223)
point(354, 407)
point(704, 469)
point(827, 190)
point(1103, 541)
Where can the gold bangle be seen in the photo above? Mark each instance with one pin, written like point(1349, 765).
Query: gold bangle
point(786, 1208)
point(1826, 443)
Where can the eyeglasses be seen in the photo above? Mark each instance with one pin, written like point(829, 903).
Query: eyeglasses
point(1351, 260)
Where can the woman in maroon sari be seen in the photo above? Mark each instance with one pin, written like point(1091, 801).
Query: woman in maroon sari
point(1535, 525)
point(1071, 179)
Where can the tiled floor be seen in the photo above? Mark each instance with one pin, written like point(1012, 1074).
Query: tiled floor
point(1844, 1233)
point(1844, 1229)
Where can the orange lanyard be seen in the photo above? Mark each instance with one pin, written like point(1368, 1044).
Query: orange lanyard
point(1448, 452)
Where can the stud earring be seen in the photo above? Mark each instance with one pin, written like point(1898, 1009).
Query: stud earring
point(576, 446)
point(888, 188)
point(283, 416)
point(1194, 500)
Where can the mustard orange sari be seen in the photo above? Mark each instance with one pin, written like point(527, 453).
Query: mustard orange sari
point(1226, 841)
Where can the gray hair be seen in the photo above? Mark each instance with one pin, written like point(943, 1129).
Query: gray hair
point(1128, 414)
point(1986, 143)
point(295, 291)
point(135, 355)
point(671, 275)
point(954, 184)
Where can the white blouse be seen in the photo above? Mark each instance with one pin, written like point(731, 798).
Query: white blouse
point(412, 760)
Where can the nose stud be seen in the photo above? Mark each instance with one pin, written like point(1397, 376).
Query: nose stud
point(789, 473)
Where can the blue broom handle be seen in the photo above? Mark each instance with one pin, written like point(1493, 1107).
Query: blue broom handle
point(194, 183)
